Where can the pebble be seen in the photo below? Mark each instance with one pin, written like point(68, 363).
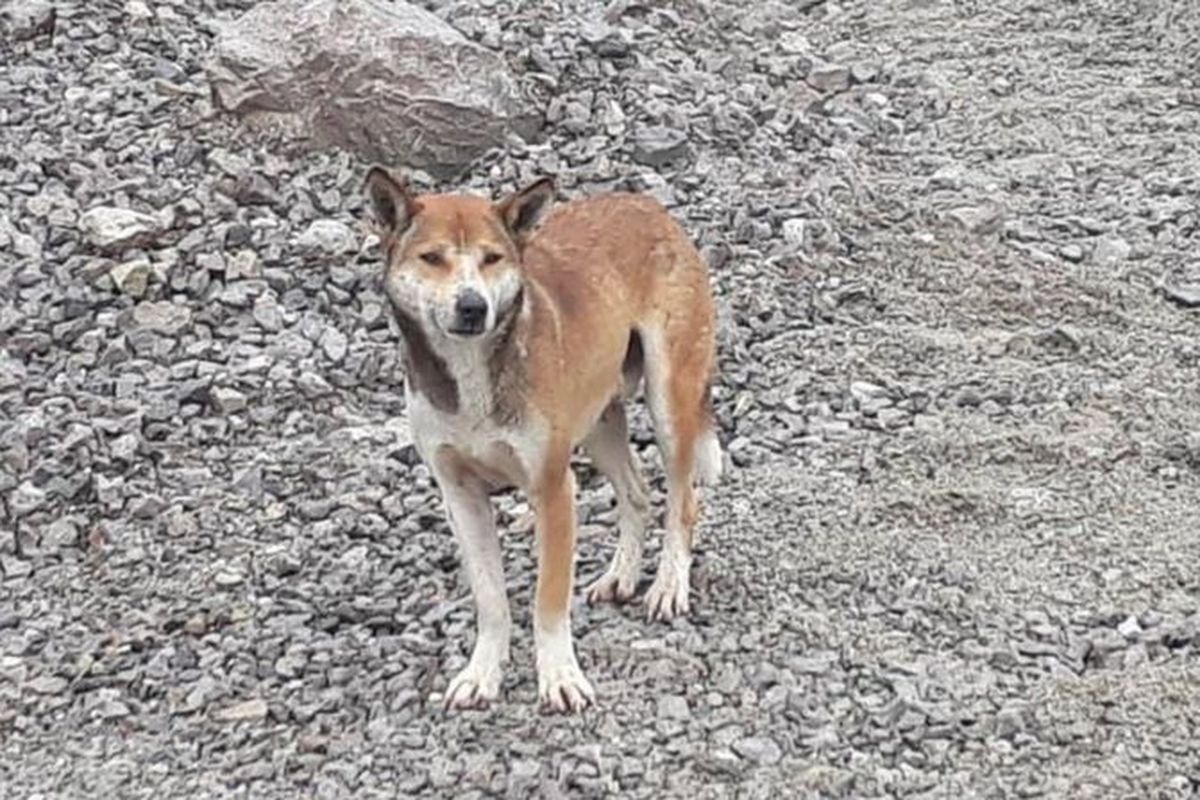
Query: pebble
point(829, 78)
point(1071, 252)
point(673, 707)
point(268, 314)
point(334, 344)
point(48, 684)
point(759, 749)
point(1111, 252)
point(61, 533)
point(329, 237)
point(118, 228)
point(228, 401)
point(162, 316)
point(243, 264)
point(27, 499)
point(228, 578)
point(1130, 628)
point(658, 146)
point(132, 277)
point(248, 710)
point(793, 231)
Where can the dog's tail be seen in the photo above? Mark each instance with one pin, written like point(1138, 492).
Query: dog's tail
point(709, 459)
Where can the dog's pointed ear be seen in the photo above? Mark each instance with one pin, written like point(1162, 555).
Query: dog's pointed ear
point(391, 199)
point(521, 211)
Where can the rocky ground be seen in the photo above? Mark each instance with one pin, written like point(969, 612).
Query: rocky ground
point(955, 552)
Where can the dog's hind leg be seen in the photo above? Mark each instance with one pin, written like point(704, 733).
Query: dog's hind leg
point(678, 365)
point(610, 451)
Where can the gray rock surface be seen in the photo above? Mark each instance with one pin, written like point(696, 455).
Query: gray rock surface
point(954, 553)
point(390, 81)
point(118, 228)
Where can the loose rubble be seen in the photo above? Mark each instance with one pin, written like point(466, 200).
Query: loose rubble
point(955, 252)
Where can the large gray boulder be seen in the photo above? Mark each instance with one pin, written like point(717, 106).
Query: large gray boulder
point(388, 81)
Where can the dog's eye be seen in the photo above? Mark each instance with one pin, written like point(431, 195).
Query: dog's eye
point(432, 258)
point(491, 258)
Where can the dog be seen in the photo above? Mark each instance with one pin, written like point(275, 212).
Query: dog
point(525, 330)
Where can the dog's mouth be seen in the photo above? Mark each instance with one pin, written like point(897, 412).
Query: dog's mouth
point(459, 329)
point(463, 331)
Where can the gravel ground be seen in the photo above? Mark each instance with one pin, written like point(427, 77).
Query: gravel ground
point(955, 552)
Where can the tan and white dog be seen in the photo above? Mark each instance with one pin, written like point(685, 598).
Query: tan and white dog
point(522, 341)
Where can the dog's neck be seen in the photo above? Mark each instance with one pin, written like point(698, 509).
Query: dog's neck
point(477, 379)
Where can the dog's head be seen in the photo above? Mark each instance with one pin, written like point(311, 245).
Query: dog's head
point(454, 261)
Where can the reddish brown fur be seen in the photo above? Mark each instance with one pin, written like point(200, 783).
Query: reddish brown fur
point(611, 265)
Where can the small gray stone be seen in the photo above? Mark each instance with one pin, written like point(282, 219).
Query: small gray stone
point(211, 262)
point(371, 315)
point(48, 684)
point(335, 344)
point(243, 264)
point(15, 567)
point(1009, 722)
point(864, 72)
point(950, 176)
point(202, 693)
point(241, 712)
point(249, 481)
point(793, 231)
point(978, 219)
point(109, 491)
point(760, 749)
point(125, 447)
point(328, 236)
point(313, 384)
point(162, 317)
point(137, 10)
point(1110, 251)
point(892, 418)
point(132, 277)
point(118, 228)
point(863, 391)
point(32, 18)
point(289, 666)
point(794, 43)
point(228, 578)
point(658, 145)
point(61, 533)
point(829, 78)
point(1071, 252)
point(1130, 628)
point(27, 499)
point(228, 401)
point(1185, 294)
point(673, 706)
point(268, 314)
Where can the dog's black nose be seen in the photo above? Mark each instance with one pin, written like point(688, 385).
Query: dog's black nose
point(470, 312)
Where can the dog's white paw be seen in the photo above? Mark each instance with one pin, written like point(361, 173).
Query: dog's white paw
point(476, 686)
point(667, 597)
point(612, 587)
point(563, 689)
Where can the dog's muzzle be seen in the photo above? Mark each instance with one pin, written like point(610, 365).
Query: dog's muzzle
point(470, 313)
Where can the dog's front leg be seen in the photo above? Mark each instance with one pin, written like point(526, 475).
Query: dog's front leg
point(474, 524)
point(561, 684)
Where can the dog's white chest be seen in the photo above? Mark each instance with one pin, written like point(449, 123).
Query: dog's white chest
point(499, 455)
